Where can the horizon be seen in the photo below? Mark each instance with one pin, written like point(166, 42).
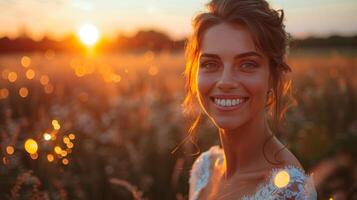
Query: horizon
point(326, 17)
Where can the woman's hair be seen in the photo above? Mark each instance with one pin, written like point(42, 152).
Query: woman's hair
point(268, 32)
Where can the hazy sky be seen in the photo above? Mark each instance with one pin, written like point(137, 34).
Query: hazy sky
point(59, 17)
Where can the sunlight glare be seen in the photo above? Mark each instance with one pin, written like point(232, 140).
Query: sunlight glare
point(88, 34)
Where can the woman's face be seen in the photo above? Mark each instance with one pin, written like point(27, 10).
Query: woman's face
point(233, 77)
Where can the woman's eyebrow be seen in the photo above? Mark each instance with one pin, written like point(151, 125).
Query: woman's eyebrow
point(248, 54)
point(241, 55)
point(208, 55)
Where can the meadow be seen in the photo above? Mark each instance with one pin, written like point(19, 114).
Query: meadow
point(103, 126)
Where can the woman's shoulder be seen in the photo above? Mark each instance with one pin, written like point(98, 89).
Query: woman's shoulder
point(287, 182)
point(202, 169)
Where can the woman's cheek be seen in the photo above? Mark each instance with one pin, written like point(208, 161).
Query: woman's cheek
point(258, 89)
point(204, 85)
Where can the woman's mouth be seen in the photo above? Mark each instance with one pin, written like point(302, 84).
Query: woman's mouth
point(229, 103)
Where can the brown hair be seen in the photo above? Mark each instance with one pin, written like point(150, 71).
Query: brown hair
point(269, 35)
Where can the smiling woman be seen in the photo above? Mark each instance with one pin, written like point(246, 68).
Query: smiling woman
point(236, 75)
point(88, 34)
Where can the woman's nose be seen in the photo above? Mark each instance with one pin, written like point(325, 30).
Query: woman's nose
point(227, 81)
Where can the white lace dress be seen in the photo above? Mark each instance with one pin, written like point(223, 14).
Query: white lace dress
point(300, 186)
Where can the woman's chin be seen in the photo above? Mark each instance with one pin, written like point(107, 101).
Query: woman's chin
point(227, 124)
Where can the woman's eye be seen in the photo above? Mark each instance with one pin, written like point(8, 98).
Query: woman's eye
point(209, 66)
point(248, 66)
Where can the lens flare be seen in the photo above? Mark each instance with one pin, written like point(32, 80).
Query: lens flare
point(88, 34)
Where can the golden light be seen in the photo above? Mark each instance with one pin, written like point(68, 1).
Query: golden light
point(10, 150)
point(88, 34)
point(25, 61)
point(63, 153)
point(5, 161)
point(12, 77)
point(65, 161)
point(34, 156)
point(47, 136)
point(66, 140)
point(56, 124)
point(58, 149)
point(71, 136)
point(23, 92)
point(30, 74)
point(50, 157)
point(281, 179)
point(4, 93)
point(44, 79)
point(48, 88)
point(31, 146)
point(70, 145)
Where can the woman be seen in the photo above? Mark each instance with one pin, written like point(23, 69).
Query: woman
point(236, 73)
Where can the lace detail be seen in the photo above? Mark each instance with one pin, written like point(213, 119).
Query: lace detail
point(299, 186)
point(201, 171)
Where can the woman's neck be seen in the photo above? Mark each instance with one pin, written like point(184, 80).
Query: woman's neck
point(243, 146)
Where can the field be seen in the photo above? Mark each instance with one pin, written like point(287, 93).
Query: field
point(104, 126)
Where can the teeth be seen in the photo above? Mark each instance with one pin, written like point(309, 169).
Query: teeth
point(228, 102)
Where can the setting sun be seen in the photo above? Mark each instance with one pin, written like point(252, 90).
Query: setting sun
point(88, 34)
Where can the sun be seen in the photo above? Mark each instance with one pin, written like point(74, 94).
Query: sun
point(88, 34)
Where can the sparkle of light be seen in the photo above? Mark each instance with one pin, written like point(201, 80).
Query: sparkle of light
point(65, 161)
point(56, 124)
point(44, 79)
point(48, 88)
point(4, 93)
point(47, 136)
point(30, 74)
point(23, 92)
point(281, 179)
point(10, 150)
point(72, 136)
point(66, 139)
point(58, 149)
point(64, 153)
point(25, 61)
point(70, 145)
point(31, 146)
point(50, 157)
point(34, 156)
point(12, 77)
point(88, 34)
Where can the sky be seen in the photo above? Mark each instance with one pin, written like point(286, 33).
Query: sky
point(58, 18)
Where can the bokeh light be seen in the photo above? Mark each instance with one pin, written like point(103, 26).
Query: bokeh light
point(10, 150)
point(34, 156)
point(31, 146)
point(47, 136)
point(44, 79)
point(65, 161)
point(58, 149)
point(4, 93)
point(25, 61)
point(281, 179)
point(23, 92)
point(50, 157)
point(56, 124)
point(30, 74)
point(12, 77)
point(72, 136)
point(48, 88)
